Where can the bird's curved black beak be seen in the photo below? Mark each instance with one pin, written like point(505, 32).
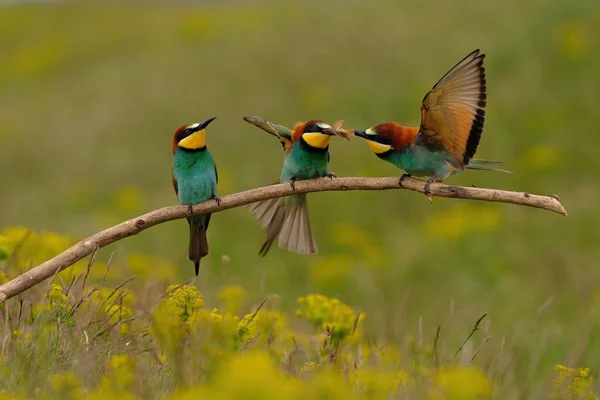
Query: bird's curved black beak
point(204, 124)
point(362, 134)
point(331, 132)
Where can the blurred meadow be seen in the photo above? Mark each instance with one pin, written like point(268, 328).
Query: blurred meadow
point(91, 94)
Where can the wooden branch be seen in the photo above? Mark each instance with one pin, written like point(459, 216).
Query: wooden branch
point(135, 225)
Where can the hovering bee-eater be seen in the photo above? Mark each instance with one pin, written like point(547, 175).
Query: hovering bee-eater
point(452, 118)
point(194, 180)
point(306, 156)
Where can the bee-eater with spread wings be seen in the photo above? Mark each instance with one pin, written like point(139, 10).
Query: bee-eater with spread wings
point(452, 118)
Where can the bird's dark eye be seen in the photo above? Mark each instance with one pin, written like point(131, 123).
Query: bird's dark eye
point(383, 140)
point(312, 128)
point(183, 134)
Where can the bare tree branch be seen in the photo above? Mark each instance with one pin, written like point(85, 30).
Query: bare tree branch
point(135, 225)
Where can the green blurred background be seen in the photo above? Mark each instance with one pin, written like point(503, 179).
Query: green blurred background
point(90, 96)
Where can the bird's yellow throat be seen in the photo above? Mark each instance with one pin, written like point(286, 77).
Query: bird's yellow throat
point(316, 139)
point(195, 141)
point(378, 148)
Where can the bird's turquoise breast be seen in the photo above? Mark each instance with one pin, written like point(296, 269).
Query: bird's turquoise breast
point(419, 161)
point(302, 163)
point(194, 173)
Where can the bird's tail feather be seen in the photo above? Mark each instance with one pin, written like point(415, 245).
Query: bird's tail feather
point(198, 247)
point(296, 233)
point(270, 214)
point(292, 227)
point(486, 165)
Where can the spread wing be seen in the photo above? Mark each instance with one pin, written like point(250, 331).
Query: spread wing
point(283, 133)
point(452, 114)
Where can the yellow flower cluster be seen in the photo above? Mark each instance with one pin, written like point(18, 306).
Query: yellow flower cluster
point(571, 383)
point(65, 385)
point(263, 326)
point(329, 315)
point(56, 297)
point(464, 382)
point(185, 300)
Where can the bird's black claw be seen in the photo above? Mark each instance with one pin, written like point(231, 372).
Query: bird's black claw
point(402, 177)
point(292, 184)
point(218, 200)
point(191, 208)
point(330, 175)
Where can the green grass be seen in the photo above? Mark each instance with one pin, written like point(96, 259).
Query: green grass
point(90, 96)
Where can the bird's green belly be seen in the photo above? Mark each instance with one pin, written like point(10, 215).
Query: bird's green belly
point(195, 176)
point(421, 162)
point(194, 189)
point(301, 165)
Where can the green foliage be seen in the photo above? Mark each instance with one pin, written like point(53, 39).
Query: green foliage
point(171, 343)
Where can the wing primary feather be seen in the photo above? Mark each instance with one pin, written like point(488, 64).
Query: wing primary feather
point(452, 112)
point(474, 136)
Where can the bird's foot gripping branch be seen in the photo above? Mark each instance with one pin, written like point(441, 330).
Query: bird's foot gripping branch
point(133, 226)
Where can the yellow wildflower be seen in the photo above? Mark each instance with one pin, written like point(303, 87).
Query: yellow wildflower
point(65, 385)
point(186, 299)
point(461, 383)
point(572, 382)
point(325, 313)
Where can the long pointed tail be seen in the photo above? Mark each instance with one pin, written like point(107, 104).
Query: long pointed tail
point(288, 220)
point(198, 246)
point(486, 165)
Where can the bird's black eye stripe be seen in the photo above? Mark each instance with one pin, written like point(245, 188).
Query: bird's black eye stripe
point(183, 134)
point(312, 128)
point(381, 139)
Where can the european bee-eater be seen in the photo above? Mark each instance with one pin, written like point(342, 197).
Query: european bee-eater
point(306, 156)
point(452, 117)
point(194, 180)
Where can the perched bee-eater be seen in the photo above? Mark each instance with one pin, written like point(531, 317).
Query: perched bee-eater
point(306, 156)
point(194, 180)
point(452, 117)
